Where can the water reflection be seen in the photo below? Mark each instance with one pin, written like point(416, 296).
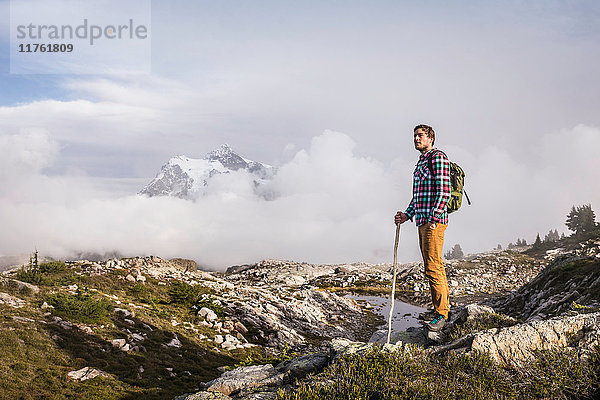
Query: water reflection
point(405, 315)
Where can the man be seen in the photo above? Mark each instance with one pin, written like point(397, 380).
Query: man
point(431, 192)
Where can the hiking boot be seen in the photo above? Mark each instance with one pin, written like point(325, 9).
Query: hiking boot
point(436, 323)
point(427, 315)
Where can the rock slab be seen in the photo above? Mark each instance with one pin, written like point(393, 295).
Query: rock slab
point(246, 378)
point(12, 301)
point(301, 366)
point(85, 373)
point(517, 344)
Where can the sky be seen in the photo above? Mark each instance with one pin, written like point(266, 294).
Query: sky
point(328, 92)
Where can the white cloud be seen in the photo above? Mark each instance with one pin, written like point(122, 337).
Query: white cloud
point(28, 152)
point(518, 198)
point(332, 205)
point(24, 155)
point(263, 77)
point(242, 75)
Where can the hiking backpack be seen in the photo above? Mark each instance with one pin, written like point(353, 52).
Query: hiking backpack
point(457, 181)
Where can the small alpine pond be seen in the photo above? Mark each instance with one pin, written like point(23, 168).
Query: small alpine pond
point(404, 317)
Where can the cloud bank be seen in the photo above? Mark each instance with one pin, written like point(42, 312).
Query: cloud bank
point(331, 206)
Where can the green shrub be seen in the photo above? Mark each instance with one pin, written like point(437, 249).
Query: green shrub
point(53, 267)
point(182, 293)
point(43, 274)
point(413, 374)
point(561, 374)
point(31, 275)
point(80, 307)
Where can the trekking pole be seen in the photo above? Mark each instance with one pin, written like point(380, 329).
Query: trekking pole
point(393, 283)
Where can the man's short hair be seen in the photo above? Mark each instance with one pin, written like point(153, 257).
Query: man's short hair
point(428, 130)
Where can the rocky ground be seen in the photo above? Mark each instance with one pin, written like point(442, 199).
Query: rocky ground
point(169, 322)
point(512, 347)
point(476, 277)
point(572, 277)
point(272, 315)
point(561, 305)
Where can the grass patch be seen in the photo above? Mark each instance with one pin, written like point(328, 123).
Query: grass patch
point(12, 288)
point(562, 375)
point(163, 372)
point(33, 367)
point(149, 293)
point(564, 272)
point(80, 307)
point(35, 359)
point(107, 283)
point(415, 375)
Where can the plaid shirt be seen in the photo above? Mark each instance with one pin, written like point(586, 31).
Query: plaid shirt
point(431, 189)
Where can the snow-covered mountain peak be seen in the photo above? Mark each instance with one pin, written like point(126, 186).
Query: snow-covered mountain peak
point(187, 177)
point(222, 152)
point(226, 156)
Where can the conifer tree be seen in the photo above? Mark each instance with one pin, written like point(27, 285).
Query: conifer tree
point(572, 220)
point(455, 253)
point(551, 236)
point(521, 242)
point(581, 219)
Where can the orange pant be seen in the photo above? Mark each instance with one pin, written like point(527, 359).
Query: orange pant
point(431, 242)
